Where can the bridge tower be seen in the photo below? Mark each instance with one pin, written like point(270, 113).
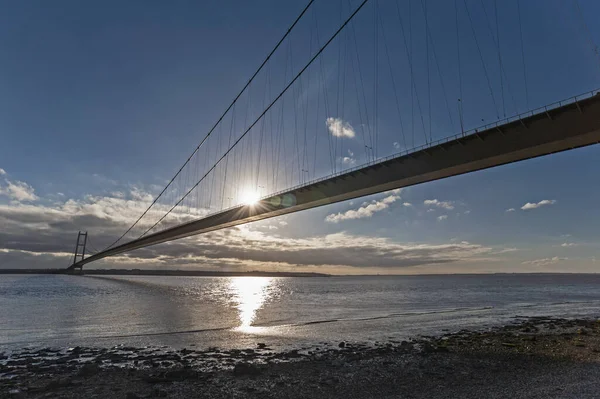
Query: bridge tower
point(80, 248)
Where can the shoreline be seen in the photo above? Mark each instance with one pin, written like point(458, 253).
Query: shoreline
point(532, 357)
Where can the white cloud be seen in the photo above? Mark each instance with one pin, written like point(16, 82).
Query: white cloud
point(2, 172)
point(348, 161)
point(442, 217)
point(407, 204)
point(18, 191)
point(568, 244)
point(535, 205)
point(338, 128)
point(440, 204)
point(396, 145)
point(35, 234)
point(430, 210)
point(544, 261)
point(466, 212)
point(350, 153)
point(138, 194)
point(505, 250)
point(365, 211)
point(510, 210)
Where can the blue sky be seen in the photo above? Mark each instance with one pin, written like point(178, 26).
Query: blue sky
point(100, 104)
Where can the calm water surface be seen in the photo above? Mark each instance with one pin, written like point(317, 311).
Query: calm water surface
point(237, 312)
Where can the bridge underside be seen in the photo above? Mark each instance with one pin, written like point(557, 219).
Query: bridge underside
point(564, 128)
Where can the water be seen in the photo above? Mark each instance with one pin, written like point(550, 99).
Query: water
point(238, 312)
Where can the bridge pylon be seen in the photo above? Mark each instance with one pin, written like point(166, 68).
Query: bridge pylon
point(79, 253)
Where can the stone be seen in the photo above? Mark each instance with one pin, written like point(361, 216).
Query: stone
point(180, 374)
point(342, 344)
point(158, 393)
point(58, 383)
point(88, 370)
point(245, 369)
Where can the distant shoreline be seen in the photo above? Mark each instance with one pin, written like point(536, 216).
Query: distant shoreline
point(256, 273)
point(151, 272)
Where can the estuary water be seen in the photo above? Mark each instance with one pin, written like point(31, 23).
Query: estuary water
point(284, 312)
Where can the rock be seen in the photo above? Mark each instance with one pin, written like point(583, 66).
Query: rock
point(261, 345)
point(180, 374)
point(158, 393)
point(582, 331)
point(131, 395)
point(88, 370)
point(245, 369)
point(59, 383)
point(342, 344)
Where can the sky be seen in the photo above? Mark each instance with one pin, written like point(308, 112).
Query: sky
point(101, 103)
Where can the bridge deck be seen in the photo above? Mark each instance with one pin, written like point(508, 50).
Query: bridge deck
point(569, 126)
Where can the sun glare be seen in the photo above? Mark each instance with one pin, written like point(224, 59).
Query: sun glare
point(250, 197)
point(249, 295)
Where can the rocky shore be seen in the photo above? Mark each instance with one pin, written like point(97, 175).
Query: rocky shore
point(531, 358)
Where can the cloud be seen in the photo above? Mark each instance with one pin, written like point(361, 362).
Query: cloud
point(338, 128)
point(42, 235)
point(18, 191)
point(2, 172)
point(466, 212)
point(245, 249)
point(442, 217)
point(505, 250)
point(544, 261)
point(407, 204)
point(440, 204)
point(365, 211)
point(396, 145)
point(510, 210)
point(535, 205)
point(348, 161)
point(568, 244)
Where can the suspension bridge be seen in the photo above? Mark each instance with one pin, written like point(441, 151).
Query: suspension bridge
point(290, 140)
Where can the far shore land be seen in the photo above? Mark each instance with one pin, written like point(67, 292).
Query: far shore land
point(531, 358)
point(162, 272)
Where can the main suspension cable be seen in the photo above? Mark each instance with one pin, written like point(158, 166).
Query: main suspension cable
point(218, 121)
point(264, 112)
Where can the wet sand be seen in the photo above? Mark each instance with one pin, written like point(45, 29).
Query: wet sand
point(532, 358)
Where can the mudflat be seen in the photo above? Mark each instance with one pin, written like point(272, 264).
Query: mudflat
point(530, 358)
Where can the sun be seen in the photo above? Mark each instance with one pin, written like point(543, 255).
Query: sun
point(250, 197)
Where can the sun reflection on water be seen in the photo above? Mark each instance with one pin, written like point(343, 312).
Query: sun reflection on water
point(249, 295)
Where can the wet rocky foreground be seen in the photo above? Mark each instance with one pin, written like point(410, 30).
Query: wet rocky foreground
point(531, 358)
